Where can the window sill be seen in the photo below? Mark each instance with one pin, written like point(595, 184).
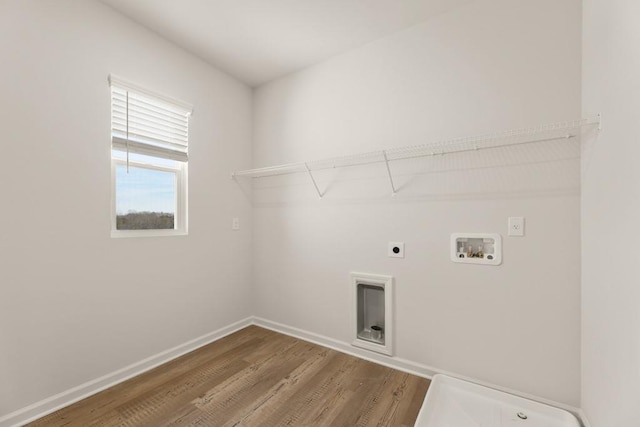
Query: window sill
point(118, 234)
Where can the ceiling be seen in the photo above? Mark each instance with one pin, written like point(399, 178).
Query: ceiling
point(260, 40)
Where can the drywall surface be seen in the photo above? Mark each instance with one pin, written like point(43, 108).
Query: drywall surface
point(610, 212)
point(487, 66)
point(76, 304)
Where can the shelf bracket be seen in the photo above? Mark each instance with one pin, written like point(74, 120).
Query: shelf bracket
point(386, 162)
point(313, 180)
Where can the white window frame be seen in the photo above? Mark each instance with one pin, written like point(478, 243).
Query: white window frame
point(181, 208)
point(181, 214)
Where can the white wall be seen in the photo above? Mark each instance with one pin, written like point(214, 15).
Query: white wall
point(487, 66)
point(76, 304)
point(610, 212)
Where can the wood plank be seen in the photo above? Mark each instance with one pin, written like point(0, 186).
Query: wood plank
point(218, 404)
point(345, 395)
point(282, 392)
point(312, 392)
point(255, 377)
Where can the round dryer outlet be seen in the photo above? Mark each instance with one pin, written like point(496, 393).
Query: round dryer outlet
point(396, 250)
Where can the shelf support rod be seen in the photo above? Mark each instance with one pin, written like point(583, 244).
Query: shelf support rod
point(386, 162)
point(313, 180)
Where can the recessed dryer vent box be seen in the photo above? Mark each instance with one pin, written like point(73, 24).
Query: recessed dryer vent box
point(476, 248)
point(373, 312)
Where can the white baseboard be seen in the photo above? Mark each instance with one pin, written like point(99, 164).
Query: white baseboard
point(344, 347)
point(60, 400)
point(399, 363)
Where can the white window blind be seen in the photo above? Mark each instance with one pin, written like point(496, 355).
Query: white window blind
point(146, 123)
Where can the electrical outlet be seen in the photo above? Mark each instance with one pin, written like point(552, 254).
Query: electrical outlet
point(235, 224)
point(516, 226)
point(396, 249)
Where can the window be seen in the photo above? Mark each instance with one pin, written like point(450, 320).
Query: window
point(149, 156)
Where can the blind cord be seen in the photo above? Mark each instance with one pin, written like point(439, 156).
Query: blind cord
point(127, 131)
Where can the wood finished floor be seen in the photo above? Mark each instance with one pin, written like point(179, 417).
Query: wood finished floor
point(255, 377)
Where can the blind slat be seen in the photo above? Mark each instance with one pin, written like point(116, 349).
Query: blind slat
point(151, 143)
point(151, 100)
point(152, 131)
point(135, 118)
point(120, 144)
point(149, 105)
point(122, 112)
point(133, 122)
point(173, 120)
point(122, 133)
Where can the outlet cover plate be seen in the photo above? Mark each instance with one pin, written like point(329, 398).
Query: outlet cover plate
point(396, 250)
point(516, 226)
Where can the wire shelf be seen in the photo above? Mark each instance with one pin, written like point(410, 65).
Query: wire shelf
point(509, 138)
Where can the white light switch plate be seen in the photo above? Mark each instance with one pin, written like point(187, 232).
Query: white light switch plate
point(235, 224)
point(516, 226)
